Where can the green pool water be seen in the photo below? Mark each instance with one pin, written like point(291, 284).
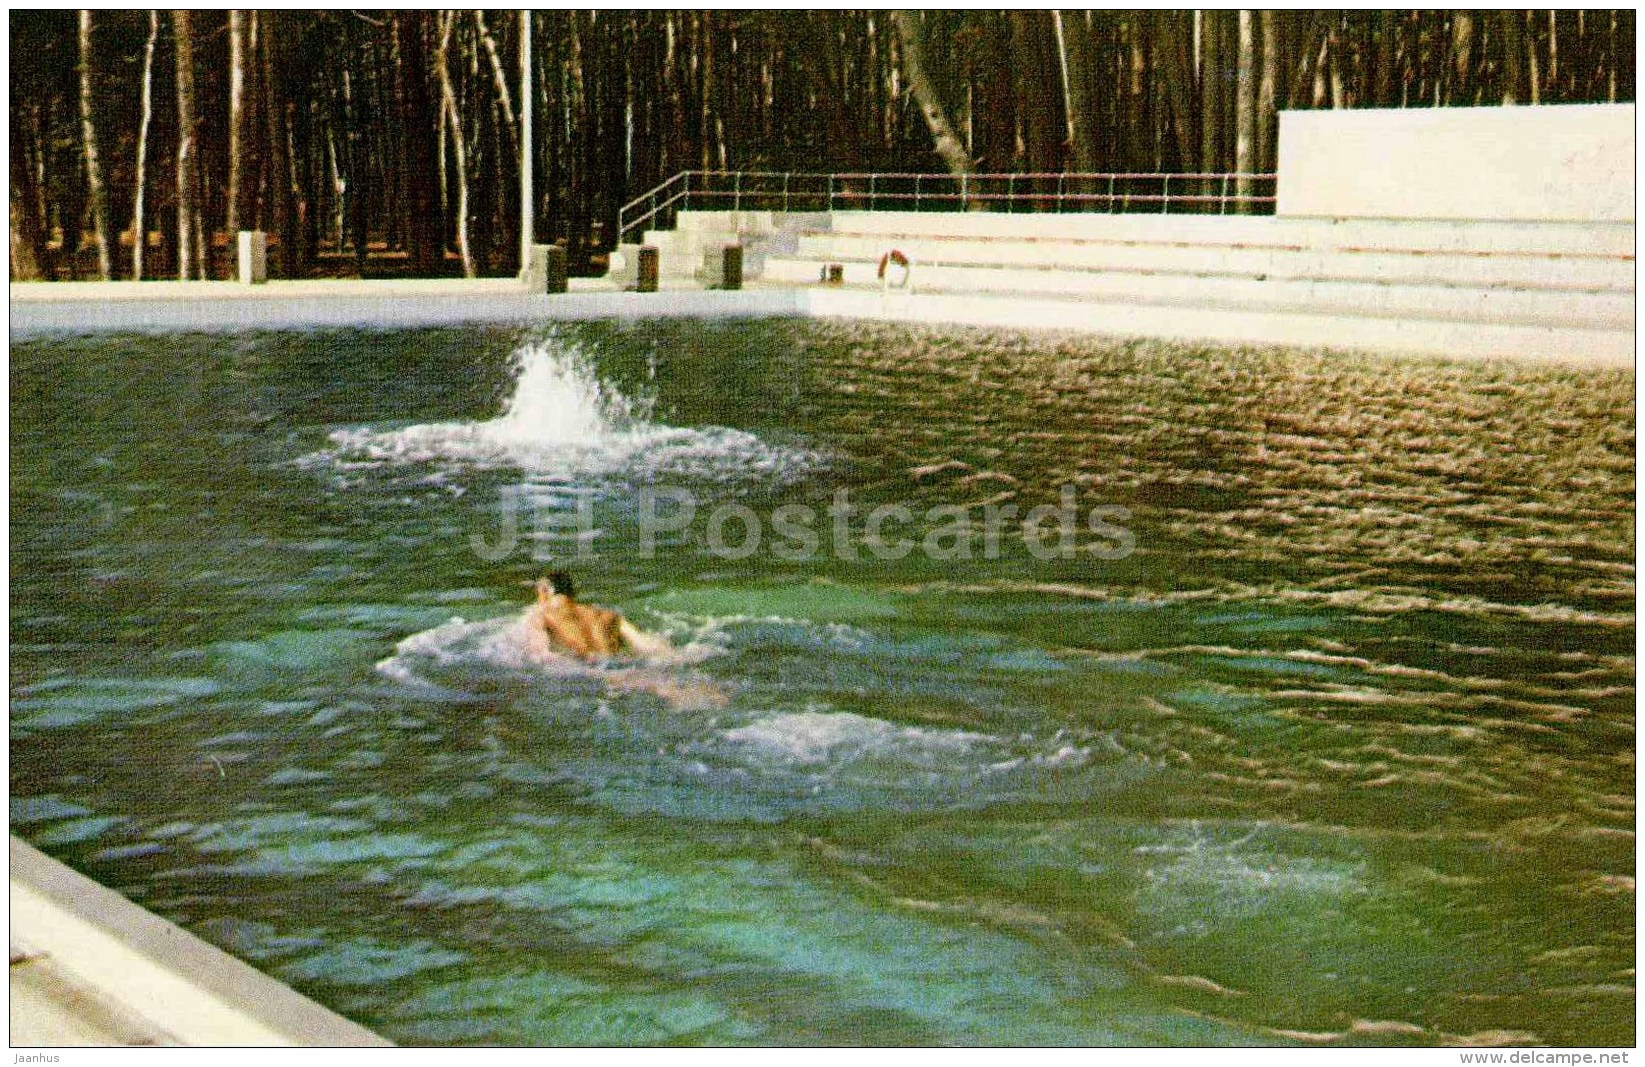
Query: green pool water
point(1341, 752)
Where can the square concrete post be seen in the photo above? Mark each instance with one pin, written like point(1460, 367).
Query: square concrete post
point(545, 270)
point(253, 257)
point(731, 267)
point(554, 270)
point(649, 264)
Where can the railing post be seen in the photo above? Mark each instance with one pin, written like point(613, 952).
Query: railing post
point(1165, 191)
point(831, 193)
point(1222, 197)
point(873, 198)
point(916, 192)
point(1061, 188)
point(785, 192)
point(1011, 194)
point(1111, 194)
point(737, 192)
point(965, 204)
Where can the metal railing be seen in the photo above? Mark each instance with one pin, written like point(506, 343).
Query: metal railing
point(1152, 193)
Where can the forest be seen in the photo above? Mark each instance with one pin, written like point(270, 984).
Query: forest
point(390, 143)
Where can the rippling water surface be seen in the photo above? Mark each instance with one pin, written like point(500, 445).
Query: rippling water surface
point(1342, 753)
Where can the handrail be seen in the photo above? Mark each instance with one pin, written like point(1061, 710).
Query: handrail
point(1221, 191)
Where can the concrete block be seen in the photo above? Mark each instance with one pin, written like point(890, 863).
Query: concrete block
point(253, 257)
point(646, 282)
point(554, 268)
point(1566, 162)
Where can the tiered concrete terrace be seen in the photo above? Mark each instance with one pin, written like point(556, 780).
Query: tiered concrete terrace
point(1551, 289)
point(1464, 231)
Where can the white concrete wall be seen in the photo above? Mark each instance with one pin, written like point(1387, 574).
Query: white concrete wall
point(1568, 162)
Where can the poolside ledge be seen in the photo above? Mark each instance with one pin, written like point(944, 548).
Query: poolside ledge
point(89, 967)
point(213, 307)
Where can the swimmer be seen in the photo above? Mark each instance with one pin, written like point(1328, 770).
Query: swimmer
point(562, 624)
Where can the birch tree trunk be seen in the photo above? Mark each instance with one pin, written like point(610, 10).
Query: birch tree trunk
point(448, 98)
point(236, 119)
point(188, 163)
point(1462, 52)
point(1074, 44)
point(1245, 108)
point(139, 224)
point(94, 165)
point(949, 145)
point(505, 99)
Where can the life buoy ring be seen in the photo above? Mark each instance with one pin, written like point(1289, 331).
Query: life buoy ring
point(895, 258)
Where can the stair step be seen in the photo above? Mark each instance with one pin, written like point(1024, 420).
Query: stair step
point(1520, 271)
point(1543, 238)
point(1485, 304)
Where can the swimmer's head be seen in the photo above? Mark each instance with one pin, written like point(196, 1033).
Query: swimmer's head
point(559, 584)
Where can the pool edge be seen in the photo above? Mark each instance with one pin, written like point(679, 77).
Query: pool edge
point(46, 308)
point(89, 966)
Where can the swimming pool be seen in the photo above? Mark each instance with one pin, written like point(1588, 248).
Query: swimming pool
point(1328, 737)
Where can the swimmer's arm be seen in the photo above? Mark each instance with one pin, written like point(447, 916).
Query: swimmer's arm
point(639, 642)
point(537, 640)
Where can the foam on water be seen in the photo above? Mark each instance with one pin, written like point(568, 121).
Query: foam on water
point(458, 648)
point(563, 422)
point(733, 750)
point(812, 737)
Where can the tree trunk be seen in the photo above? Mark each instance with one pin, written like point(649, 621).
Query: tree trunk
point(1512, 25)
point(28, 211)
point(188, 163)
point(1175, 36)
point(1267, 118)
point(448, 97)
point(505, 99)
point(1034, 57)
point(24, 267)
point(94, 166)
point(1211, 92)
point(528, 186)
point(1245, 108)
point(139, 224)
point(236, 121)
point(276, 114)
point(418, 128)
point(1074, 45)
point(1462, 53)
point(1387, 31)
point(950, 147)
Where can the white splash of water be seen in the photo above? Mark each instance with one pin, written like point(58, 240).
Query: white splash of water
point(559, 400)
point(458, 650)
point(563, 421)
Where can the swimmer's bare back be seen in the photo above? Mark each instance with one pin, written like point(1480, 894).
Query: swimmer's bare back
point(580, 629)
point(560, 625)
point(565, 625)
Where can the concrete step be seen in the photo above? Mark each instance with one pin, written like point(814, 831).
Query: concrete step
point(1557, 238)
point(1275, 263)
point(1474, 304)
point(679, 256)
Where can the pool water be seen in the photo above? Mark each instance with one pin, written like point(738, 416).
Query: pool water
point(1340, 751)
